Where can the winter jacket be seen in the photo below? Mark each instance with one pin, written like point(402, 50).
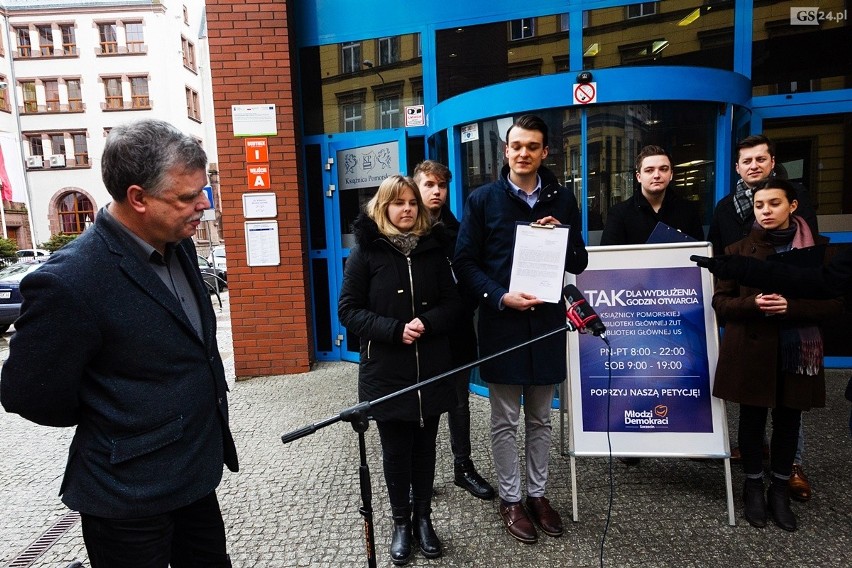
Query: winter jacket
point(102, 344)
point(748, 371)
point(383, 289)
point(483, 265)
point(726, 227)
point(463, 337)
point(632, 221)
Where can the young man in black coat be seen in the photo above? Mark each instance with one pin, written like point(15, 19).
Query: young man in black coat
point(733, 216)
point(432, 179)
point(632, 221)
point(117, 337)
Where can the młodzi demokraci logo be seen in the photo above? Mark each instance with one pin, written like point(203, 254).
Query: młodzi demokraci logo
point(659, 417)
point(813, 16)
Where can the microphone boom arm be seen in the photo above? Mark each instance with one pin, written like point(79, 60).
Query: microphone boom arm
point(355, 414)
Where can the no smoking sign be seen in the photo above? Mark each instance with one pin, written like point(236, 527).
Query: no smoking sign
point(585, 93)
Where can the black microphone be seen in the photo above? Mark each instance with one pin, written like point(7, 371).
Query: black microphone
point(580, 313)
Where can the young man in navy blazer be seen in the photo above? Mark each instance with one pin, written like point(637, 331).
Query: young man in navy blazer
point(117, 337)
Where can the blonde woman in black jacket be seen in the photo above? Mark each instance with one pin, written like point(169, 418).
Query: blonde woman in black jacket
point(400, 299)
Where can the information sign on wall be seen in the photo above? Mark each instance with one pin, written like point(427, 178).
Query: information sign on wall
point(367, 166)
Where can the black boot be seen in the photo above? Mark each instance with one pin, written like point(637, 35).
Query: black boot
point(400, 548)
point(430, 546)
point(778, 498)
point(754, 503)
point(467, 478)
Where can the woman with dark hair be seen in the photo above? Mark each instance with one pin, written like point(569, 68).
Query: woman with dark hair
point(400, 299)
point(771, 355)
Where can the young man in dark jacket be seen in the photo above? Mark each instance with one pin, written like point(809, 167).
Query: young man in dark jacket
point(632, 221)
point(733, 216)
point(525, 192)
point(432, 179)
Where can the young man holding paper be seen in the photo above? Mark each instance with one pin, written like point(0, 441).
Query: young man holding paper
point(525, 192)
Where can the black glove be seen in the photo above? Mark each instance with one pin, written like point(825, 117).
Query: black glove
point(725, 267)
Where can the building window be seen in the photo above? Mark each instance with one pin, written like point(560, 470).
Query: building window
point(139, 92)
point(350, 56)
point(75, 95)
point(4, 101)
point(389, 112)
point(36, 145)
point(563, 22)
point(30, 100)
point(75, 213)
point(641, 10)
point(645, 51)
point(24, 45)
point(185, 16)
point(388, 50)
point(353, 117)
point(112, 91)
point(188, 50)
point(51, 95)
point(57, 144)
point(193, 106)
point(69, 39)
point(45, 40)
point(81, 149)
point(521, 29)
point(135, 37)
point(109, 39)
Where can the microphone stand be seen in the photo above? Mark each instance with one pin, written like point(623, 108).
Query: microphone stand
point(358, 416)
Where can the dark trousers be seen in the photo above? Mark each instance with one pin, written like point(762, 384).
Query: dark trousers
point(189, 537)
point(458, 419)
point(408, 459)
point(782, 445)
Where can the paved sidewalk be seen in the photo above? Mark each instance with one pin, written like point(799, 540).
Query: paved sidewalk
point(297, 505)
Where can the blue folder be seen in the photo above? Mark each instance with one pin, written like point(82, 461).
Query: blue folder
point(663, 233)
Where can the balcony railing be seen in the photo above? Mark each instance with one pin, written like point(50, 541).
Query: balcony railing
point(50, 108)
point(45, 52)
point(106, 48)
point(114, 105)
point(130, 49)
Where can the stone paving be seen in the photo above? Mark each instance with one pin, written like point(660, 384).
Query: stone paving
point(296, 505)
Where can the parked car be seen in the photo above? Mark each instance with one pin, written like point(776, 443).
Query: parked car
point(10, 293)
point(32, 253)
point(217, 259)
point(212, 276)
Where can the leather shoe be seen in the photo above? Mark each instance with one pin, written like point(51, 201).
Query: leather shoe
point(468, 479)
point(800, 487)
point(518, 524)
point(754, 503)
point(545, 516)
point(400, 548)
point(778, 502)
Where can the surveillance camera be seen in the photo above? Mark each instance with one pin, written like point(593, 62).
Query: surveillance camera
point(3, 84)
point(584, 77)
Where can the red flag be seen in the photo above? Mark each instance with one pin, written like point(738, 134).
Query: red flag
point(4, 179)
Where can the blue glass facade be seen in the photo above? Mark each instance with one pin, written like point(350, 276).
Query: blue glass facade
point(443, 80)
